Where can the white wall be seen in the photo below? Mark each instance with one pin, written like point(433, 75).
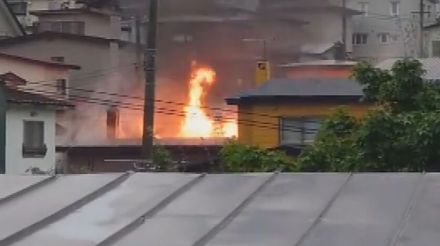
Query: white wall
point(15, 163)
point(403, 28)
point(104, 26)
point(34, 72)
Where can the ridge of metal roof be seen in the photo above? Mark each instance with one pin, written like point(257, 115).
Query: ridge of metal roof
point(302, 209)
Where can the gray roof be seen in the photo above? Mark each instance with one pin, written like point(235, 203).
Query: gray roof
point(431, 66)
point(221, 209)
point(302, 88)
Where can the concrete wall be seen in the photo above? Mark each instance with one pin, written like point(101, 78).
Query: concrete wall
point(269, 136)
point(403, 29)
point(40, 77)
point(15, 163)
point(95, 25)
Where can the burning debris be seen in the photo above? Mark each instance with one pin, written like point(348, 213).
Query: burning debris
point(197, 122)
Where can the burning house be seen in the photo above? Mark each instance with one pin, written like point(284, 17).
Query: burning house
point(202, 58)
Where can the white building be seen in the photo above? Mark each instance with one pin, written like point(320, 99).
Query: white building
point(35, 91)
point(389, 28)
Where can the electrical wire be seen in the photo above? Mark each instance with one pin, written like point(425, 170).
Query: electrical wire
point(105, 102)
point(125, 96)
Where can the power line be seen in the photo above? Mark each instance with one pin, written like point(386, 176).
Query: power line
point(125, 96)
point(135, 107)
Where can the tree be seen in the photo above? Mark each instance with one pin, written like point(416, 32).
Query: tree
point(400, 133)
point(236, 157)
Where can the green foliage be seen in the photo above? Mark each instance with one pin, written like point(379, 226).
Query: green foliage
point(333, 150)
point(161, 158)
point(238, 157)
point(401, 134)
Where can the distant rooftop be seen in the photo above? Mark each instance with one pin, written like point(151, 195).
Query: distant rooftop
point(267, 209)
point(431, 66)
point(320, 63)
point(302, 89)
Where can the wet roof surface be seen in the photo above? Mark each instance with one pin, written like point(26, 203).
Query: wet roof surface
point(172, 209)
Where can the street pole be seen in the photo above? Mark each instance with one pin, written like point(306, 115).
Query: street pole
point(422, 24)
point(3, 105)
point(150, 83)
point(138, 40)
point(344, 26)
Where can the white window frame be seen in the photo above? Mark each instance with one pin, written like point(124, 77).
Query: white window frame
point(394, 12)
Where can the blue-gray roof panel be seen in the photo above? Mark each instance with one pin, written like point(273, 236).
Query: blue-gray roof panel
point(400, 209)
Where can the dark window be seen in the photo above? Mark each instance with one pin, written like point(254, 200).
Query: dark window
point(360, 38)
point(61, 87)
point(384, 37)
point(299, 131)
point(436, 48)
point(33, 139)
point(73, 27)
point(394, 8)
point(18, 7)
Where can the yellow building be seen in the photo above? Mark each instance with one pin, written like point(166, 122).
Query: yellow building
point(288, 112)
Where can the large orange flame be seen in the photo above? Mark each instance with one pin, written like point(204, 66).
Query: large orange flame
point(197, 123)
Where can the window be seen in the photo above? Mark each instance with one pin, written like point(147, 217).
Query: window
point(436, 48)
point(33, 139)
point(384, 37)
point(363, 7)
point(428, 10)
point(61, 87)
point(18, 7)
point(73, 27)
point(394, 8)
point(299, 131)
point(360, 38)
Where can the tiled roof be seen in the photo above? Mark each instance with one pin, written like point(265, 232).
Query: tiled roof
point(220, 209)
point(431, 66)
point(302, 88)
point(22, 97)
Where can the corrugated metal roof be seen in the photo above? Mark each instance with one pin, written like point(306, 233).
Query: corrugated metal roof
point(173, 209)
point(431, 66)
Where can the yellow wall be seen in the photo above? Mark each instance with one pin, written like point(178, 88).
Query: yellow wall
point(267, 133)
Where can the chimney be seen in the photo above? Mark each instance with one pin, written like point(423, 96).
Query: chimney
point(112, 122)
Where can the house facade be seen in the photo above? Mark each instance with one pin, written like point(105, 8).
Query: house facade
point(29, 121)
point(389, 28)
point(35, 93)
point(289, 112)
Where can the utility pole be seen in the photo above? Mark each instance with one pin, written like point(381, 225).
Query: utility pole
point(150, 83)
point(138, 41)
point(3, 106)
point(422, 25)
point(344, 26)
